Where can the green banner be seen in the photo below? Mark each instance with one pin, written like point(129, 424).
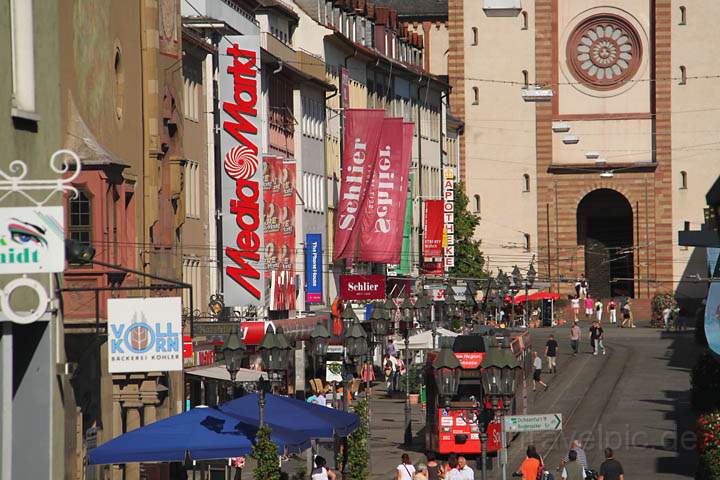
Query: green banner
point(406, 253)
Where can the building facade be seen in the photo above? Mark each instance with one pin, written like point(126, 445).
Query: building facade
point(594, 179)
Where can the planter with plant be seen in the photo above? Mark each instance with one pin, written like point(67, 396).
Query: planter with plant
point(708, 434)
point(357, 445)
point(659, 302)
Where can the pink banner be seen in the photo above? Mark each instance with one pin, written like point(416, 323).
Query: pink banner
point(383, 217)
point(362, 135)
point(432, 240)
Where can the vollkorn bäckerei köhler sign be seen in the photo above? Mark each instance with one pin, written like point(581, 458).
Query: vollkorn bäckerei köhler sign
point(145, 334)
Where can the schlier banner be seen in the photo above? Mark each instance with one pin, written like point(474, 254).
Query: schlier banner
point(361, 139)
point(382, 218)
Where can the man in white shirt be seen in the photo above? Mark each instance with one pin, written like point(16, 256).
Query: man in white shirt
point(466, 473)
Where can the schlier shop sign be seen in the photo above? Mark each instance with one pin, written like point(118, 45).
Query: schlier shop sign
point(362, 287)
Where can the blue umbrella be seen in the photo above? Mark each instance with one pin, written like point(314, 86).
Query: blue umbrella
point(206, 433)
point(314, 421)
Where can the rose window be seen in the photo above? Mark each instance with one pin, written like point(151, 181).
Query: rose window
point(604, 51)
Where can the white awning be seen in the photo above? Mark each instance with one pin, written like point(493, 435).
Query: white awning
point(219, 372)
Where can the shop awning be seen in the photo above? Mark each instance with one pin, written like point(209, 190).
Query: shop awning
point(315, 421)
point(534, 297)
point(219, 372)
point(205, 433)
point(424, 340)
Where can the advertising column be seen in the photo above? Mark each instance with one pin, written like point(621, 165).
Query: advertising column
point(241, 207)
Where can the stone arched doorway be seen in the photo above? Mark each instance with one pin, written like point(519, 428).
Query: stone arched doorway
point(605, 229)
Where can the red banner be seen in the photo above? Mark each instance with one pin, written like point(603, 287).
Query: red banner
point(279, 201)
point(382, 218)
point(432, 241)
point(362, 287)
point(361, 138)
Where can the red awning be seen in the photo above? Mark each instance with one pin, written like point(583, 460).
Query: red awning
point(537, 296)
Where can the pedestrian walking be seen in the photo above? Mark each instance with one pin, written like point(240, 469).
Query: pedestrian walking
point(612, 311)
point(551, 349)
point(575, 302)
point(406, 469)
point(578, 286)
point(597, 336)
point(667, 313)
point(321, 472)
point(421, 472)
point(575, 334)
point(598, 310)
point(576, 447)
point(589, 305)
point(391, 349)
point(451, 471)
point(537, 373)
point(530, 467)
point(435, 471)
point(611, 469)
point(627, 315)
point(572, 469)
point(466, 473)
point(583, 285)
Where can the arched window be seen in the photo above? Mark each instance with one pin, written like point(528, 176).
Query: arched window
point(477, 203)
point(526, 79)
point(476, 95)
point(527, 242)
point(683, 15)
point(526, 183)
point(683, 180)
point(524, 17)
point(683, 75)
point(80, 224)
point(474, 35)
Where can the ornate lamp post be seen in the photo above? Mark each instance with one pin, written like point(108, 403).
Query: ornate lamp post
point(379, 327)
point(529, 281)
point(233, 352)
point(499, 369)
point(407, 322)
point(356, 348)
point(275, 352)
point(450, 304)
point(446, 371)
point(319, 341)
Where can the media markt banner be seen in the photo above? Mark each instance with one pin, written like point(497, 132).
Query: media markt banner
point(32, 240)
point(145, 335)
point(405, 267)
point(242, 202)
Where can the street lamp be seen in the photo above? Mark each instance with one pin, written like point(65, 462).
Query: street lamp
point(233, 351)
point(499, 368)
point(319, 340)
point(275, 352)
point(407, 322)
point(348, 316)
point(450, 304)
point(446, 371)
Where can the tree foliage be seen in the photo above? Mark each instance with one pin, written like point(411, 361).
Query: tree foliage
point(469, 260)
point(265, 453)
point(357, 445)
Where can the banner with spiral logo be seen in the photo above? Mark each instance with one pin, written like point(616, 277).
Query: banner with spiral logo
point(241, 185)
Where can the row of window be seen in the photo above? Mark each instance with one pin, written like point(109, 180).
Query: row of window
point(191, 94)
point(191, 274)
point(313, 115)
point(314, 192)
point(192, 189)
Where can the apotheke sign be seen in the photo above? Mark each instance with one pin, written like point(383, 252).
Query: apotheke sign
point(362, 287)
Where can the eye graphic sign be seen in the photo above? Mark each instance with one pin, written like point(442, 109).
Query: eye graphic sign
point(32, 240)
point(145, 335)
